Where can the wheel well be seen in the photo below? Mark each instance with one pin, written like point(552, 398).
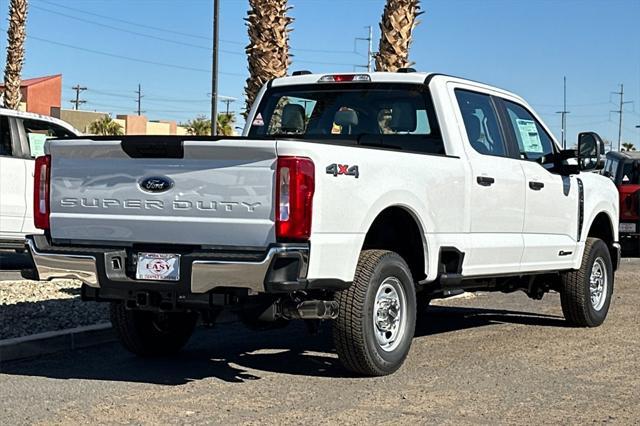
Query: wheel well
point(603, 229)
point(396, 229)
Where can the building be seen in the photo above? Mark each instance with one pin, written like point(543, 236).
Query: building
point(43, 95)
point(40, 94)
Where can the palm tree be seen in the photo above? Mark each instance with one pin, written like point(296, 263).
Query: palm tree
point(398, 21)
point(225, 124)
point(199, 126)
point(105, 126)
point(628, 147)
point(268, 49)
point(16, 33)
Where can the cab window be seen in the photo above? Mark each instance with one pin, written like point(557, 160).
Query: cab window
point(39, 131)
point(5, 138)
point(533, 141)
point(481, 122)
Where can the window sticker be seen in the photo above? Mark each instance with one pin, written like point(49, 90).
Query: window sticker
point(36, 143)
point(529, 136)
point(258, 121)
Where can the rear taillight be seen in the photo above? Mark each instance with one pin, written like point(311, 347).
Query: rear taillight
point(41, 192)
point(294, 198)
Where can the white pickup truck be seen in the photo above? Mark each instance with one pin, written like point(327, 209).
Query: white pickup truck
point(22, 137)
point(355, 198)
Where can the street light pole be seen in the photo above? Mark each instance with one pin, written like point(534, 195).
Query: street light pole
point(214, 70)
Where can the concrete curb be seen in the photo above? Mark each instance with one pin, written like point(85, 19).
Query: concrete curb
point(55, 341)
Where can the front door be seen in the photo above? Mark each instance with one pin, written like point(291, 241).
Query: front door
point(550, 223)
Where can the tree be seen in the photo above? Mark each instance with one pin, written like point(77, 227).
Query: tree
point(628, 147)
point(396, 26)
point(105, 126)
point(199, 126)
point(268, 49)
point(225, 124)
point(16, 33)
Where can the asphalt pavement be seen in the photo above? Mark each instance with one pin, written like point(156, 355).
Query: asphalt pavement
point(492, 359)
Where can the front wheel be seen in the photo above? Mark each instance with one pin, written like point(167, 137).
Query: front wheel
point(586, 293)
point(377, 315)
point(151, 333)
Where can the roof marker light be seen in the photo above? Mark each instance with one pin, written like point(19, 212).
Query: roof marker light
point(343, 78)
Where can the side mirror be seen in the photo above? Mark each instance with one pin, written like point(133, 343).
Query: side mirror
point(590, 151)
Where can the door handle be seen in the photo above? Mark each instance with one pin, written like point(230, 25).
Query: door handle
point(536, 186)
point(485, 180)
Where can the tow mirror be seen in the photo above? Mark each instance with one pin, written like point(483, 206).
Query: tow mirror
point(590, 151)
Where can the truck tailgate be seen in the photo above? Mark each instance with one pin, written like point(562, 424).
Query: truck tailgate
point(208, 193)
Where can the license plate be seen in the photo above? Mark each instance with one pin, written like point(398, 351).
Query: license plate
point(627, 227)
point(158, 267)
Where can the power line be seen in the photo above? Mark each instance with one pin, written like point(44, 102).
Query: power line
point(77, 101)
point(165, 30)
point(127, 58)
point(166, 40)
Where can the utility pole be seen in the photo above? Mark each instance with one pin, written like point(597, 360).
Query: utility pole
point(620, 112)
point(369, 49)
point(228, 102)
point(563, 114)
point(77, 102)
point(214, 69)
point(139, 100)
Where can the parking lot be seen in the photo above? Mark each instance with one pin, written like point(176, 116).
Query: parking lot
point(490, 359)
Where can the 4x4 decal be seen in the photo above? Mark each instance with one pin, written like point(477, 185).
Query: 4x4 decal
point(343, 169)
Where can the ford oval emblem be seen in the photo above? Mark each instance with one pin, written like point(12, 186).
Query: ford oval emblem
point(156, 184)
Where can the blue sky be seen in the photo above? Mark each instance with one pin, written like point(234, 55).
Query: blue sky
point(526, 46)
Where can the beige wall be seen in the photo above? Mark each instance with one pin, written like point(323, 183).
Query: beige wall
point(77, 118)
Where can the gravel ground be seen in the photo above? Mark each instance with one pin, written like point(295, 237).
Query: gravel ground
point(30, 307)
point(491, 359)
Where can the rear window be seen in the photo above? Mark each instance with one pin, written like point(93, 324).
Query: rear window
point(395, 116)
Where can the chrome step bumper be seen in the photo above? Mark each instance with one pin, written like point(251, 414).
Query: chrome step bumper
point(91, 266)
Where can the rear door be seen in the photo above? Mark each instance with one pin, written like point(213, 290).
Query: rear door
point(13, 202)
point(550, 223)
point(154, 190)
point(496, 196)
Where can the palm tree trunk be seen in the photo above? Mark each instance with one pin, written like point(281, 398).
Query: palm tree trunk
point(16, 35)
point(398, 21)
point(268, 49)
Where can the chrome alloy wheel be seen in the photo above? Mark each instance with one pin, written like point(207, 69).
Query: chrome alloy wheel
point(390, 314)
point(598, 284)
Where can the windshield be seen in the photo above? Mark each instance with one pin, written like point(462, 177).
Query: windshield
point(398, 116)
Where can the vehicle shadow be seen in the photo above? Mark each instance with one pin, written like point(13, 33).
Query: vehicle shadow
point(233, 354)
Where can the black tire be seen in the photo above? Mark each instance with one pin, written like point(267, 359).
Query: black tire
point(575, 294)
point(354, 331)
point(152, 334)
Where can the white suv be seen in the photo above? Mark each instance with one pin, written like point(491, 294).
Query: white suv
point(22, 137)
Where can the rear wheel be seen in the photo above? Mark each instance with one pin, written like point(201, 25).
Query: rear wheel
point(377, 315)
point(150, 333)
point(586, 293)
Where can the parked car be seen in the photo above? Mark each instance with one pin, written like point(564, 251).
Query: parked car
point(22, 137)
point(355, 198)
point(623, 168)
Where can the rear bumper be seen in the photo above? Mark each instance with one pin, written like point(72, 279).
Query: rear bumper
point(281, 268)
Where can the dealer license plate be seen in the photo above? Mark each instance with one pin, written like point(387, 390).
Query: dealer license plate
point(158, 267)
point(627, 227)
